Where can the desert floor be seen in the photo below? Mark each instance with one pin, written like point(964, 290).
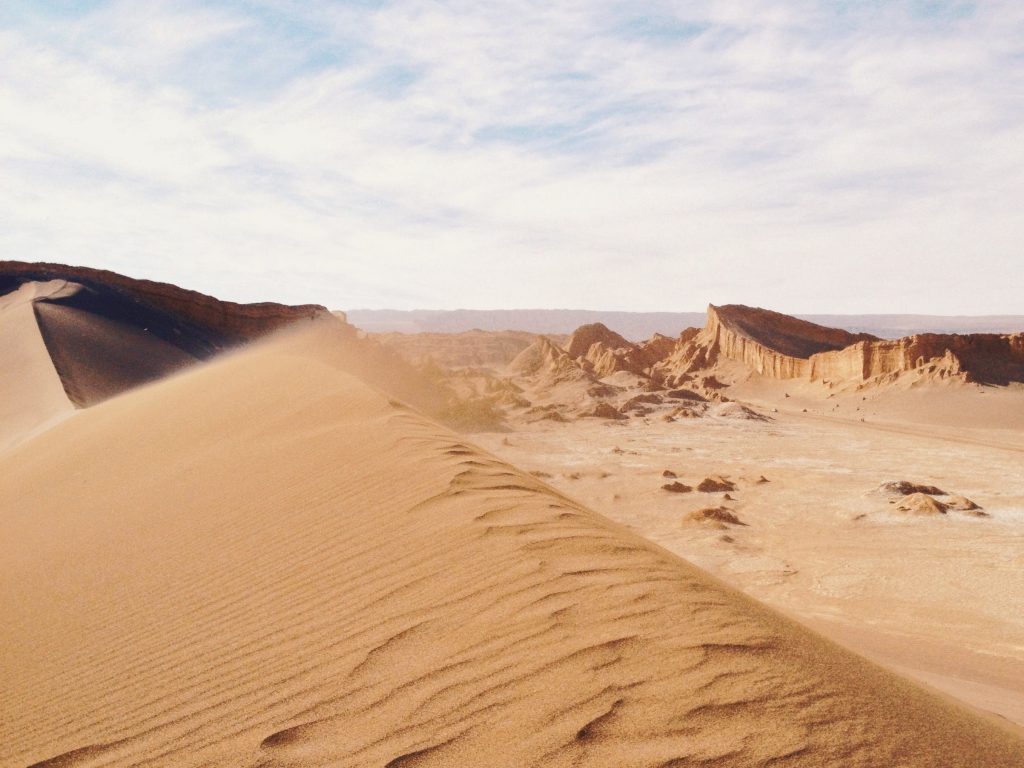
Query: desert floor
point(936, 598)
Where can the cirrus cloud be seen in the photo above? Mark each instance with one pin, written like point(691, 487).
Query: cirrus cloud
point(810, 156)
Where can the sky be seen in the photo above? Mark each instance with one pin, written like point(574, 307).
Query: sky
point(835, 156)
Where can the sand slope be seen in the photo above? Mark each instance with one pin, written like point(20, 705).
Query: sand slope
point(264, 562)
point(31, 393)
point(71, 337)
point(98, 357)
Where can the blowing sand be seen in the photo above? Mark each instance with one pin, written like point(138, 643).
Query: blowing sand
point(264, 562)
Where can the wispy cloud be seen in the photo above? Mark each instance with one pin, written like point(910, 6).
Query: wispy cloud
point(814, 156)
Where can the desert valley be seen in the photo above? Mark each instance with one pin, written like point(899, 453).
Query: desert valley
point(821, 471)
point(258, 535)
point(438, 384)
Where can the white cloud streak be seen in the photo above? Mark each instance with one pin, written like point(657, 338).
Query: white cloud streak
point(526, 154)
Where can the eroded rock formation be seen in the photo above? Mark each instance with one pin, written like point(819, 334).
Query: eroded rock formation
point(547, 363)
point(605, 352)
point(783, 347)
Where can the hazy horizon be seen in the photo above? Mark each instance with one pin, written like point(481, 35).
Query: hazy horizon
point(637, 326)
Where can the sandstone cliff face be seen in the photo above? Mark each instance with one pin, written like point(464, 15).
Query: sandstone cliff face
point(231, 322)
point(772, 344)
point(988, 358)
point(782, 347)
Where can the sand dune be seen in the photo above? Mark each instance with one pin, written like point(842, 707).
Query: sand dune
point(98, 357)
point(31, 392)
point(71, 337)
point(265, 562)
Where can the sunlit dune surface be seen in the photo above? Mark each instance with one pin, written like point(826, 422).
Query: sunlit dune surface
point(263, 561)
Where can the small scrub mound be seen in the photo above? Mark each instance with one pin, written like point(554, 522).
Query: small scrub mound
point(921, 504)
point(641, 400)
point(553, 416)
point(979, 512)
point(676, 487)
point(906, 488)
point(720, 516)
point(736, 411)
point(715, 484)
point(684, 413)
point(960, 503)
point(687, 394)
point(605, 411)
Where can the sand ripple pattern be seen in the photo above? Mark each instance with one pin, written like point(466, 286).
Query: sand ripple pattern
point(264, 562)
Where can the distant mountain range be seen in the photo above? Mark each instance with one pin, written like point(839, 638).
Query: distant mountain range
point(637, 326)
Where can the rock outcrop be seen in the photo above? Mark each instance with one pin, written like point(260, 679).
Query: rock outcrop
point(546, 363)
point(921, 504)
point(717, 516)
point(605, 411)
point(605, 352)
point(906, 488)
point(659, 346)
point(984, 357)
point(768, 343)
point(781, 347)
point(676, 487)
point(715, 484)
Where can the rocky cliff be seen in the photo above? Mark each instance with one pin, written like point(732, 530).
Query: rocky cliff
point(987, 358)
point(783, 347)
point(769, 343)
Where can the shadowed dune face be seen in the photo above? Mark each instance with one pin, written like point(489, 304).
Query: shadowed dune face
point(285, 568)
point(225, 321)
point(71, 337)
point(99, 351)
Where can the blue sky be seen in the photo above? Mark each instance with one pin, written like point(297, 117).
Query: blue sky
point(806, 156)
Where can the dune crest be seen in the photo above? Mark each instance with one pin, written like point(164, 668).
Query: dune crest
point(353, 585)
point(31, 392)
point(71, 337)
